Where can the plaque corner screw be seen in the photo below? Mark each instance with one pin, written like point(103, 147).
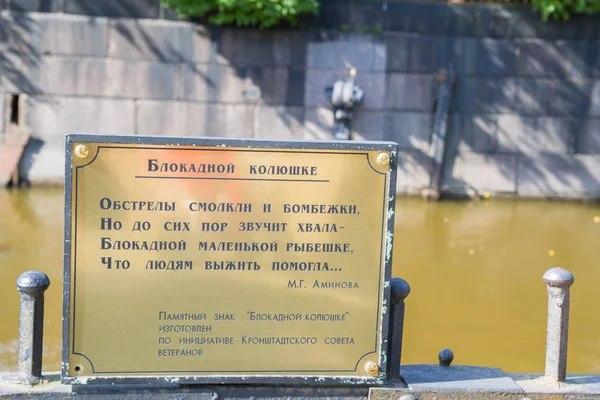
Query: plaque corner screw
point(383, 159)
point(81, 151)
point(372, 368)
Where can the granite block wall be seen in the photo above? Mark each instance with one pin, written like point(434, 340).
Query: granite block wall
point(524, 115)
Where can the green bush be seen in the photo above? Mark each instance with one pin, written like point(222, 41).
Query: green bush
point(261, 13)
point(562, 9)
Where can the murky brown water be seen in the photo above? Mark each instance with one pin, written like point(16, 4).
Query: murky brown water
point(475, 271)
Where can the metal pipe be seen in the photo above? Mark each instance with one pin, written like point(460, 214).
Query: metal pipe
point(558, 281)
point(439, 137)
point(399, 291)
point(31, 285)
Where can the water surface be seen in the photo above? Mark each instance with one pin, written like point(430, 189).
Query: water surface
point(475, 270)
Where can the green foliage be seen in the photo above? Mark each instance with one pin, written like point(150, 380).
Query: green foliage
point(261, 13)
point(562, 9)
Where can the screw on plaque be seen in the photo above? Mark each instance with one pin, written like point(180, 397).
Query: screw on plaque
point(81, 151)
point(383, 159)
point(372, 368)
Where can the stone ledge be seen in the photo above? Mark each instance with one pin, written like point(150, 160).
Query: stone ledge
point(575, 383)
point(460, 377)
point(53, 389)
point(424, 382)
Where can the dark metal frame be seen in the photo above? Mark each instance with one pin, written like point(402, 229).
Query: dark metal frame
point(222, 143)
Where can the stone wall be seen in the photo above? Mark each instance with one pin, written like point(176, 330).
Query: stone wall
point(524, 117)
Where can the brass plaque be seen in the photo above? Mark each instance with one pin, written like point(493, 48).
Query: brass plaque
point(192, 260)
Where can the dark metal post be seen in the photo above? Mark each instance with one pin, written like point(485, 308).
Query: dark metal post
point(438, 138)
point(446, 356)
point(31, 285)
point(558, 281)
point(399, 290)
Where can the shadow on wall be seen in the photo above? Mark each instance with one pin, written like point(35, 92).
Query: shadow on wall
point(18, 53)
point(525, 105)
point(19, 73)
point(524, 113)
point(114, 8)
point(233, 82)
point(34, 146)
point(223, 70)
point(526, 122)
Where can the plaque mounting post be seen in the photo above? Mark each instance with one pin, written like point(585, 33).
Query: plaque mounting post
point(400, 290)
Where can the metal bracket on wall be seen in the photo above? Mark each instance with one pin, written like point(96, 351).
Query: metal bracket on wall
point(445, 79)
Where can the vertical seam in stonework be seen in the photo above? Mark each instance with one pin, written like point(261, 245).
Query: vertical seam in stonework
point(179, 81)
point(109, 27)
point(517, 164)
point(135, 114)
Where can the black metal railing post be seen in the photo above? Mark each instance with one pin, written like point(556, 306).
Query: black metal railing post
point(399, 291)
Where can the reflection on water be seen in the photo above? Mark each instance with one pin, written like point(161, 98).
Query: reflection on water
point(475, 270)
